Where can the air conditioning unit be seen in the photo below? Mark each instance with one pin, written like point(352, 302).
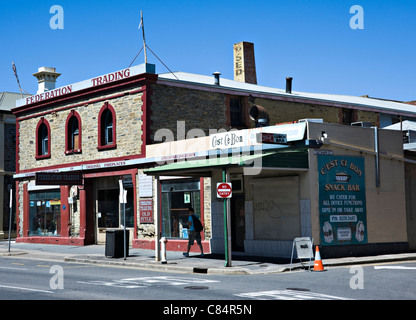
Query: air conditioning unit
point(364, 124)
point(311, 120)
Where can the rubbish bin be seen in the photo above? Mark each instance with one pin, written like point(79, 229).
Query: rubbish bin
point(114, 244)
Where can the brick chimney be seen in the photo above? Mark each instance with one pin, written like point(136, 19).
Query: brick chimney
point(46, 79)
point(244, 62)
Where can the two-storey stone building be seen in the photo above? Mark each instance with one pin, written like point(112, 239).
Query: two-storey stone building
point(110, 127)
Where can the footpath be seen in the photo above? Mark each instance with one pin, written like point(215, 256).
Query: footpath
point(177, 262)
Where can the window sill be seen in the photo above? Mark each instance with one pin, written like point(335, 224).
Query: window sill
point(107, 147)
point(44, 156)
point(76, 151)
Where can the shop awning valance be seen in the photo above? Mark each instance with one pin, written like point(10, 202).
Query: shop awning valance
point(269, 159)
point(207, 163)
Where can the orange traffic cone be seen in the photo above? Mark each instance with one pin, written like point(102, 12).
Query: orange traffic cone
point(318, 262)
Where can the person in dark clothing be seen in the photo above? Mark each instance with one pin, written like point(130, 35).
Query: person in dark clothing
point(193, 234)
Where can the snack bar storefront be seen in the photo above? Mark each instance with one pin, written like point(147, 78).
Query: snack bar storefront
point(329, 183)
point(332, 186)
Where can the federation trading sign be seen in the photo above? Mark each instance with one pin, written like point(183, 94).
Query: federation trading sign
point(90, 83)
point(224, 190)
point(58, 178)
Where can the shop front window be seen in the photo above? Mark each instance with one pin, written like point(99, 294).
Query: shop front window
point(110, 214)
point(45, 213)
point(129, 210)
point(177, 197)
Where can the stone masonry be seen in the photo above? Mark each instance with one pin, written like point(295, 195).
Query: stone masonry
point(128, 132)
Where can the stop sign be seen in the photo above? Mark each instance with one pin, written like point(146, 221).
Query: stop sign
point(224, 190)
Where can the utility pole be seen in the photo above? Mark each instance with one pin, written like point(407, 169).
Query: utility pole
point(10, 216)
point(227, 223)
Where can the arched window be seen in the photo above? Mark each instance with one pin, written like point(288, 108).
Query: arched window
point(43, 139)
point(107, 127)
point(107, 119)
point(73, 133)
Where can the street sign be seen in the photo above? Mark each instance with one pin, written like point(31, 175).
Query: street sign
point(274, 138)
point(123, 192)
point(224, 190)
point(146, 211)
point(127, 181)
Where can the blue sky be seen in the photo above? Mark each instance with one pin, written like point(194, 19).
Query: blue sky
point(309, 40)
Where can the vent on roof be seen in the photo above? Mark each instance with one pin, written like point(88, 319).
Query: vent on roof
point(217, 78)
point(260, 116)
point(289, 84)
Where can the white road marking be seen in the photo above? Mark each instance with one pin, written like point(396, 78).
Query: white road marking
point(144, 282)
point(288, 295)
point(12, 268)
point(115, 283)
point(395, 267)
point(25, 289)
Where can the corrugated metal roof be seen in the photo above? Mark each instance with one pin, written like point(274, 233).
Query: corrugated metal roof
point(8, 100)
point(362, 102)
point(405, 125)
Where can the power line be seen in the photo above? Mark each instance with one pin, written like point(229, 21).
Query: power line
point(162, 62)
point(141, 25)
point(135, 57)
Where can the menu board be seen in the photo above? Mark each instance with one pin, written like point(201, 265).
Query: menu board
point(342, 201)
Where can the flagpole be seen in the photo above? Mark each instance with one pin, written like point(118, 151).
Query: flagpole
point(144, 39)
point(17, 78)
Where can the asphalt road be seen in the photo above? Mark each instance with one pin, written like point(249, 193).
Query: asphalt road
point(25, 279)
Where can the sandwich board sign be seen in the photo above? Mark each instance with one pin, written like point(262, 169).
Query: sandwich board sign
point(303, 249)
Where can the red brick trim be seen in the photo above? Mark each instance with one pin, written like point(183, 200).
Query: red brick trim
point(171, 245)
point(68, 133)
point(101, 144)
point(53, 240)
point(25, 231)
point(17, 209)
point(41, 122)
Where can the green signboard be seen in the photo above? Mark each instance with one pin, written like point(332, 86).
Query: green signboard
point(342, 202)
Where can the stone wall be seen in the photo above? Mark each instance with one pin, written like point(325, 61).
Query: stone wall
point(285, 111)
point(208, 110)
point(128, 109)
point(207, 208)
point(199, 109)
point(145, 230)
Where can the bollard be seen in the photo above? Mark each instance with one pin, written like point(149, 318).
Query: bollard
point(163, 249)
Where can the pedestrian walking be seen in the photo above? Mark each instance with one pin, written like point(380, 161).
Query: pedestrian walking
point(194, 233)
